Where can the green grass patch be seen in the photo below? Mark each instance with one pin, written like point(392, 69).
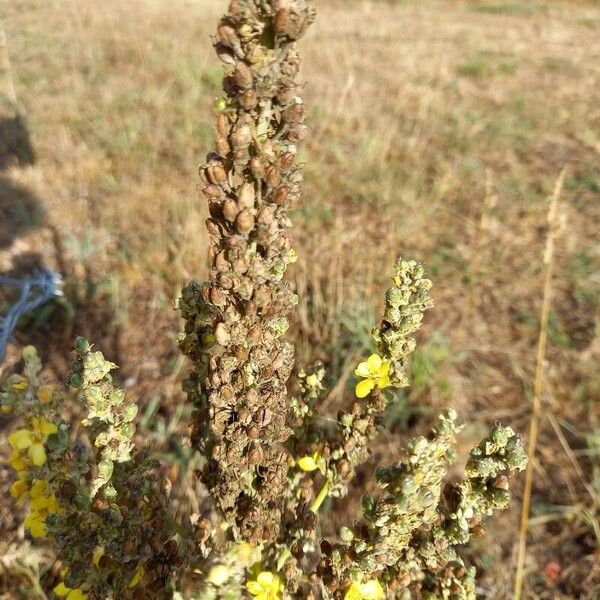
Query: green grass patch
point(506, 8)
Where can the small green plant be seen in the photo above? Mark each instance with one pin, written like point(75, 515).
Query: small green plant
point(271, 461)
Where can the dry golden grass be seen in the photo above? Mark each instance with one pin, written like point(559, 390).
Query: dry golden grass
point(438, 131)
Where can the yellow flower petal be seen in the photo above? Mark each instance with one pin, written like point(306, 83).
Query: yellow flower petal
point(374, 361)
point(97, 555)
point(363, 370)
point(36, 525)
point(254, 588)
point(137, 577)
point(43, 426)
point(61, 590)
point(353, 593)
point(384, 370)
point(308, 464)
point(17, 462)
point(363, 389)
point(77, 594)
point(38, 487)
point(44, 394)
point(265, 578)
point(20, 439)
point(19, 489)
point(37, 453)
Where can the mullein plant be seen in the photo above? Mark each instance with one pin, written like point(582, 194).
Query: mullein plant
point(271, 460)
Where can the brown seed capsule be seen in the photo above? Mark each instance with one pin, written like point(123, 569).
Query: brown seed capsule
point(230, 210)
point(225, 281)
point(241, 136)
point(250, 309)
point(244, 221)
point(241, 353)
point(227, 34)
point(248, 99)
point(216, 174)
point(217, 297)
point(253, 432)
point(243, 75)
point(223, 126)
point(213, 228)
point(100, 504)
point(297, 133)
point(254, 334)
point(222, 334)
point(281, 21)
point(255, 455)
point(272, 176)
point(222, 145)
point(225, 53)
point(213, 192)
point(287, 161)
point(246, 196)
point(294, 113)
point(221, 263)
point(280, 195)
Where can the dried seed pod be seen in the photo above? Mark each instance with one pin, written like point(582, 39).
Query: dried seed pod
point(222, 145)
point(246, 196)
point(222, 334)
point(227, 34)
point(249, 99)
point(225, 53)
point(213, 192)
point(287, 161)
point(242, 75)
point(216, 174)
point(241, 136)
point(273, 176)
point(245, 221)
point(280, 195)
point(293, 114)
point(223, 125)
point(230, 210)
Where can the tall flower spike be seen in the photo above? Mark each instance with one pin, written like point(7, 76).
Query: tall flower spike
point(235, 323)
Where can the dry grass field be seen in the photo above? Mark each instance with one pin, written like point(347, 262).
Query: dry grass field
point(438, 130)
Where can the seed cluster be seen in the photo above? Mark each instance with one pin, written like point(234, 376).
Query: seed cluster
point(235, 324)
point(99, 503)
point(408, 536)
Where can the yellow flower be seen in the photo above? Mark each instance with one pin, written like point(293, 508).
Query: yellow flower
point(43, 427)
point(376, 373)
point(19, 489)
point(61, 590)
point(137, 577)
point(37, 454)
point(36, 524)
point(44, 394)
point(38, 487)
point(17, 462)
point(309, 463)
point(20, 439)
point(370, 590)
point(266, 586)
